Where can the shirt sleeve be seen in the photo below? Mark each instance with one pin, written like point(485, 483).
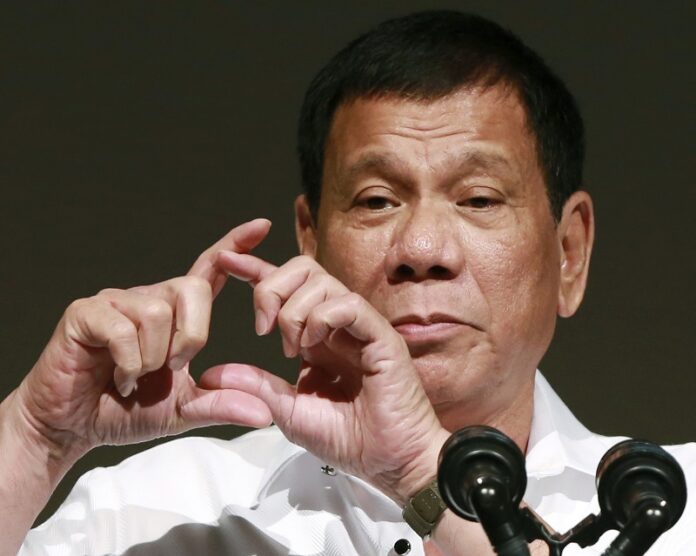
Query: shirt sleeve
point(184, 481)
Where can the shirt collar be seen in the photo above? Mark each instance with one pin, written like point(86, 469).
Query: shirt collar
point(286, 452)
point(557, 439)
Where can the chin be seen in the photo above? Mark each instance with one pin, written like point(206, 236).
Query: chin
point(455, 384)
point(450, 381)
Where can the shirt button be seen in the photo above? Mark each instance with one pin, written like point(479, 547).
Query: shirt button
point(328, 470)
point(402, 546)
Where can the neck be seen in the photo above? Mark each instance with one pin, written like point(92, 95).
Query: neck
point(510, 414)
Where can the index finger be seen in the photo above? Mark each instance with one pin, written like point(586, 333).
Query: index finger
point(247, 268)
point(241, 239)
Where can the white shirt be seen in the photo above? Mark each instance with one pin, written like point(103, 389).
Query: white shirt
point(261, 495)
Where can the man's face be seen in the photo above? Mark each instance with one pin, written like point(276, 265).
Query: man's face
point(436, 213)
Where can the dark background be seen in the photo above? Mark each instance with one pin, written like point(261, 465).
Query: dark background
point(132, 135)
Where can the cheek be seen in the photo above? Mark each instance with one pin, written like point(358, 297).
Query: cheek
point(519, 279)
point(354, 256)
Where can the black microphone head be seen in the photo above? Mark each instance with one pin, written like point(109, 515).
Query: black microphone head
point(636, 471)
point(475, 453)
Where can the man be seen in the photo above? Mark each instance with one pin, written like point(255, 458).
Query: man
point(442, 230)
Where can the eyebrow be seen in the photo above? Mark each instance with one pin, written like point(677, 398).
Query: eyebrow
point(459, 165)
point(385, 164)
point(481, 159)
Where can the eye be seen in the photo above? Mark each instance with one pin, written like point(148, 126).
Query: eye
point(480, 202)
point(376, 202)
point(481, 198)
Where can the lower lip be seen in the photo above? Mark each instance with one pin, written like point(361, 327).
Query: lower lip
point(424, 333)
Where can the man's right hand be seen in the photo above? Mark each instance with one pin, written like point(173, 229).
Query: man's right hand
point(116, 368)
point(115, 371)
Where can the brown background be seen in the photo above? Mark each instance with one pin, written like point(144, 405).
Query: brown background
point(132, 135)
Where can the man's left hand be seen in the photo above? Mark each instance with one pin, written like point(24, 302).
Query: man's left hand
point(358, 403)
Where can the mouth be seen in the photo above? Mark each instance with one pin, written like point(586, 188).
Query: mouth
point(419, 330)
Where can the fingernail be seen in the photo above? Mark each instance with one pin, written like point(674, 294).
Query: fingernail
point(261, 322)
point(288, 350)
point(126, 387)
point(237, 276)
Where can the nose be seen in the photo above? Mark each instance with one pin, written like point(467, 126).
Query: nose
point(425, 246)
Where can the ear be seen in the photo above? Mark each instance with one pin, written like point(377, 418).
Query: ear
point(575, 239)
point(305, 231)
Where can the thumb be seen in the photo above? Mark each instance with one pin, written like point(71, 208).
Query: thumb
point(277, 394)
point(225, 406)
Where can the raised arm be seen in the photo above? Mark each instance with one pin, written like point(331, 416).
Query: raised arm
point(115, 371)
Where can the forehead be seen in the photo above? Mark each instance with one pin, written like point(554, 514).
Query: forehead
point(476, 125)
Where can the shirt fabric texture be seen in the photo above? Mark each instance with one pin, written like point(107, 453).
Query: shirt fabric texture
point(261, 495)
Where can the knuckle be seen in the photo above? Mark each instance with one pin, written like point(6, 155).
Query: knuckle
point(301, 259)
point(140, 289)
point(284, 320)
point(287, 320)
point(307, 262)
point(123, 330)
point(153, 362)
point(76, 307)
point(261, 293)
point(155, 309)
point(80, 309)
point(107, 292)
point(131, 366)
point(195, 283)
point(321, 279)
point(330, 285)
point(193, 340)
point(355, 301)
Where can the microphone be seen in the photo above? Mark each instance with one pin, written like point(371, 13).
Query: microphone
point(482, 477)
point(642, 492)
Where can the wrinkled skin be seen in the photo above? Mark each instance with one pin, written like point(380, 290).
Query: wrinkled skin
point(441, 208)
point(358, 402)
point(74, 396)
point(436, 214)
point(425, 296)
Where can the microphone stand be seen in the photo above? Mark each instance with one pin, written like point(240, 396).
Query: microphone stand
point(482, 477)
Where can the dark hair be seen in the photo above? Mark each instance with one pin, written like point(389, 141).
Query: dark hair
point(428, 55)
